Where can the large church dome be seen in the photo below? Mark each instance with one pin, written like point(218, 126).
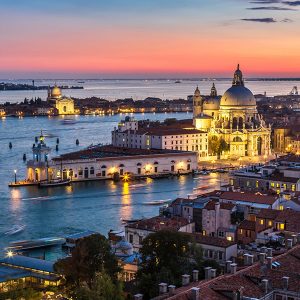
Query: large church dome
point(238, 95)
point(56, 92)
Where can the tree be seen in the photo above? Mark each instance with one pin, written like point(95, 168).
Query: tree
point(217, 145)
point(90, 256)
point(165, 257)
point(102, 288)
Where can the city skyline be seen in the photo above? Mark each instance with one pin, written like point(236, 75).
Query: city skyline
point(149, 39)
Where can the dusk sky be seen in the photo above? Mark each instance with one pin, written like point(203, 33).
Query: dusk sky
point(148, 38)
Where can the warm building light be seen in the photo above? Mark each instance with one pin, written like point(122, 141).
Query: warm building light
point(126, 177)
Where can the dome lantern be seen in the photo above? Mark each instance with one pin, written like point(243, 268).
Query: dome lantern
point(238, 77)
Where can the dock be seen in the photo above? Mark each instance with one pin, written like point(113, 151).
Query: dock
point(22, 183)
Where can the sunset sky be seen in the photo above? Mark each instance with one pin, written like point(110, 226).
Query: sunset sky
point(148, 38)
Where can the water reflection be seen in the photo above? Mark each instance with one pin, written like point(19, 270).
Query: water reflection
point(126, 199)
point(15, 199)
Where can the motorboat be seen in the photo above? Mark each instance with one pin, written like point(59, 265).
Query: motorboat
point(54, 183)
point(15, 229)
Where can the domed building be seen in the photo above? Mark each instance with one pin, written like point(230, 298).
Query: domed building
point(234, 120)
point(63, 104)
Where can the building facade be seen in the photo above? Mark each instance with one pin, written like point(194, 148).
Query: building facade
point(233, 120)
point(63, 104)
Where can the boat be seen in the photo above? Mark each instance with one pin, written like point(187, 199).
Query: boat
point(158, 202)
point(68, 121)
point(178, 81)
point(34, 244)
point(201, 172)
point(15, 229)
point(54, 183)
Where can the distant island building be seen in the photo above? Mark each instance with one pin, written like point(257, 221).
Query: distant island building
point(227, 127)
point(63, 104)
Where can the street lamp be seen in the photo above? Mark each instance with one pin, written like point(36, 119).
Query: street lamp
point(9, 253)
point(15, 176)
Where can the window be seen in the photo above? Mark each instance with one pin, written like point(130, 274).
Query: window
point(80, 172)
point(270, 223)
point(272, 184)
point(261, 222)
point(280, 207)
point(92, 171)
point(256, 184)
point(293, 187)
point(229, 238)
point(130, 238)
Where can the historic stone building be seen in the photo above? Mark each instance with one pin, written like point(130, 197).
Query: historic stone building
point(233, 119)
point(63, 104)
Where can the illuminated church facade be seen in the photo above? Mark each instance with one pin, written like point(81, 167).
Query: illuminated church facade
point(63, 104)
point(233, 119)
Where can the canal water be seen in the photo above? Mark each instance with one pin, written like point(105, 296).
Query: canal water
point(98, 206)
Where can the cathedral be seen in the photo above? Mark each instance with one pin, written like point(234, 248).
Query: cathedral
point(64, 105)
point(232, 121)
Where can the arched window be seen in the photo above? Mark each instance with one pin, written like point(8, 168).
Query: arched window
point(234, 123)
point(92, 170)
point(138, 164)
point(80, 172)
point(103, 167)
point(259, 146)
point(172, 161)
point(155, 163)
point(71, 173)
point(237, 139)
point(241, 122)
point(121, 166)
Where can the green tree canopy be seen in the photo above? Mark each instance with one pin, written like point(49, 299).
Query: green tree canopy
point(90, 256)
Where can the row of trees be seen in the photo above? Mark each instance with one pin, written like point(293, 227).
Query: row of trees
point(91, 272)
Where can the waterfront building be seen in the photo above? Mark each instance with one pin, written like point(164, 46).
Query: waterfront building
point(227, 126)
point(17, 271)
point(63, 104)
point(233, 121)
point(37, 168)
point(282, 175)
point(108, 162)
point(172, 134)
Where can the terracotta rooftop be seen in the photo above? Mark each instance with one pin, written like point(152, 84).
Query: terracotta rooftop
point(162, 131)
point(247, 225)
point(249, 280)
point(267, 213)
point(159, 223)
point(211, 240)
point(110, 151)
point(223, 205)
point(249, 197)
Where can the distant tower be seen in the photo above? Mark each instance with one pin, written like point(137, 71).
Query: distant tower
point(197, 103)
point(37, 169)
point(213, 91)
point(238, 77)
point(33, 83)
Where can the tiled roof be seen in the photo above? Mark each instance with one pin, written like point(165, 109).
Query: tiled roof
point(109, 151)
point(249, 197)
point(267, 213)
point(247, 225)
point(210, 240)
point(291, 218)
point(223, 205)
point(249, 280)
point(159, 223)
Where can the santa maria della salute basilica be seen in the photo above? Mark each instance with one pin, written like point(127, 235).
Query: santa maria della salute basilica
point(234, 127)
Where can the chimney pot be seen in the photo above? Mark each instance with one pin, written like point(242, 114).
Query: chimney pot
point(195, 275)
point(213, 273)
point(294, 238)
point(265, 283)
point(289, 243)
point(162, 288)
point(246, 259)
point(207, 272)
point(269, 252)
point(185, 279)
point(250, 259)
point(195, 293)
point(262, 257)
point(138, 297)
point(228, 263)
point(269, 262)
point(233, 268)
point(171, 289)
point(285, 281)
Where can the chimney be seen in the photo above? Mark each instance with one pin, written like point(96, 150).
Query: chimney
point(289, 243)
point(195, 275)
point(138, 297)
point(228, 263)
point(162, 288)
point(213, 273)
point(269, 262)
point(171, 289)
point(207, 272)
point(285, 281)
point(262, 257)
point(233, 268)
point(263, 249)
point(195, 293)
point(265, 283)
point(246, 259)
point(250, 259)
point(294, 238)
point(298, 238)
point(185, 279)
point(269, 252)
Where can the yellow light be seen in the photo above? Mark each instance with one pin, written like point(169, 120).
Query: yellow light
point(9, 253)
point(15, 171)
point(126, 177)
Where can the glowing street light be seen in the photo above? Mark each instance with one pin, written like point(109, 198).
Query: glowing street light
point(15, 171)
point(9, 253)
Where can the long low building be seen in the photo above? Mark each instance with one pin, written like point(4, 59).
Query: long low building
point(104, 162)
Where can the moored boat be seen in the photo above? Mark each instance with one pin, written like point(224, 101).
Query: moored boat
point(54, 183)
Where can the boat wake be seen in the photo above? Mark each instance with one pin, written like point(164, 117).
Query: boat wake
point(15, 229)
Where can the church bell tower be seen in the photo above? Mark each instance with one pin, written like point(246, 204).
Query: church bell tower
point(197, 103)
